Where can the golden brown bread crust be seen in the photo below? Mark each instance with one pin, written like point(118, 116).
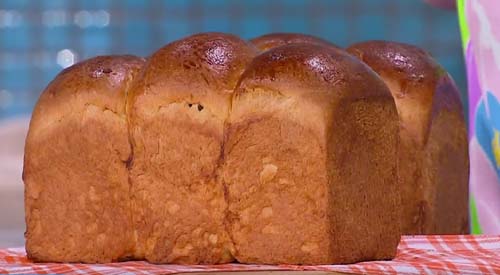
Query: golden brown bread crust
point(295, 194)
point(273, 40)
point(311, 66)
point(434, 165)
point(412, 76)
point(76, 180)
point(85, 82)
point(203, 67)
point(176, 112)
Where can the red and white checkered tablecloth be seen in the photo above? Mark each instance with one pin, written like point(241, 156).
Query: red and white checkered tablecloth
point(416, 255)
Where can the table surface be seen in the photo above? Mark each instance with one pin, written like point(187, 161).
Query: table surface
point(269, 273)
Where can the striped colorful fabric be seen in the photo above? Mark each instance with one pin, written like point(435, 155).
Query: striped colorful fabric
point(463, 254)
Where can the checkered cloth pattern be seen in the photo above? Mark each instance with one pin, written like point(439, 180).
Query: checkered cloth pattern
point(36, 35)
point(462, 254)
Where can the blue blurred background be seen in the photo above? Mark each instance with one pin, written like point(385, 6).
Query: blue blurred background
point(39, 38)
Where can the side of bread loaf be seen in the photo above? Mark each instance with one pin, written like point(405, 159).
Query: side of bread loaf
point(433, 158)
point(310, 160)
point(177, 112)
point(75, 165)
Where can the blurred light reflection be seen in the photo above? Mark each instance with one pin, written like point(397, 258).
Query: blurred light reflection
point(66, 58)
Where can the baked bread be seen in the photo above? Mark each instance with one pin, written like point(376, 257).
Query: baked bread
point(208, 153)
point(177, 112)
point(273, 40)
point(433, 158)
point(75, 165)
point(310, 160)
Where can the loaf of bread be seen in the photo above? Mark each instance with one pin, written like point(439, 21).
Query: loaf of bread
point(273, 40)
point(281, 150)
point(75, 165)
point(310, 160)
point(177, 111)
point(433, 154)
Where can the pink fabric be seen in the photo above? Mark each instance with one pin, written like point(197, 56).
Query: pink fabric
point(462, 254)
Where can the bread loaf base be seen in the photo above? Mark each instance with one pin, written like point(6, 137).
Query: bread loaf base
point(278, 211)
point(81, 212)
point(179, 203)
point(298, 197)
